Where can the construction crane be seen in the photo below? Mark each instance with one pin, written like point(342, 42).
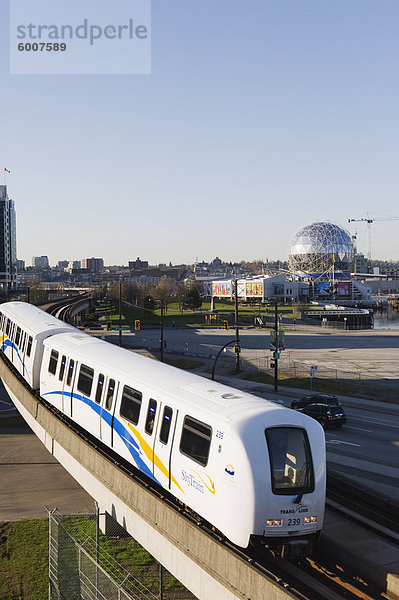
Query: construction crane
point(369, 221)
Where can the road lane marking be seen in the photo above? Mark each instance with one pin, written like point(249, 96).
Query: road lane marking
point(342, 442)
point(358, 429)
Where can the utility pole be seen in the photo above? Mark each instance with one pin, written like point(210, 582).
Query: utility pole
point(276, 353)
point(161, 339)
point(120, 313)
point(237, 345)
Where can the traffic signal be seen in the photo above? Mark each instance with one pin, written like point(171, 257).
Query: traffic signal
point(226, 324)
point(137, 324)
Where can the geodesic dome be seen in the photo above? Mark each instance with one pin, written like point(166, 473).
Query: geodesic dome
point(321, 247)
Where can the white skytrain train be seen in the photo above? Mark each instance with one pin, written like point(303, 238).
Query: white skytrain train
point(253, 469)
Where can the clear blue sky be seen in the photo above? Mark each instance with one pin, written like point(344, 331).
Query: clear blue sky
point(258, 117)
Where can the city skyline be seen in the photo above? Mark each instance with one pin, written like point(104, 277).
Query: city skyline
point(254, 122)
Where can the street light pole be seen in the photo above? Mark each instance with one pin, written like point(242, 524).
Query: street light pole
point(237, 346)
point(217, 356)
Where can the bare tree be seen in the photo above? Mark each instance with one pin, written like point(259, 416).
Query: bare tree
point(164, 290)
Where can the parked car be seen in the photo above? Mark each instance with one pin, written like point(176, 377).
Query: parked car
point(327, 416)
point(328, 399)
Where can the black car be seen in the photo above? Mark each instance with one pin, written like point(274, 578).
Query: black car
point(327, 416)
point(328, 399)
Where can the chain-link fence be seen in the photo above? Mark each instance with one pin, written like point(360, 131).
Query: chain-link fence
point(84, 564)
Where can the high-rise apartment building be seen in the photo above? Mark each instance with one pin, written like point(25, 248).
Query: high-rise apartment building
point(95, 265)
point(8, 241)
point(40, 262)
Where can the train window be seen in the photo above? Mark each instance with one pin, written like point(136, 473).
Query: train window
point(166, 422)
point(70, 371)
point(29, 348)
point(23, 341)
point(1, 320)
point(150, 420)
point(8, 323)
point(62, 368)
point(196, 440)
point(18, 336)
point(131, 404)
point(290, 460)
point(85, 380)
point(110, 394)
point(52, 364)
point(99, 389)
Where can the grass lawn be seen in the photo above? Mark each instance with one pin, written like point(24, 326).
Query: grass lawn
point(173, 316)
point(185, 363)
point(24, 560)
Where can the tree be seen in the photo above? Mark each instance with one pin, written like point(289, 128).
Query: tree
point(37, 293)
point(192, 298)
point(164, 290)
point(149, 303)
point(180, 291)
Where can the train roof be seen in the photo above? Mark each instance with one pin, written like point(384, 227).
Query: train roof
point(33, 318)
point(189, 388)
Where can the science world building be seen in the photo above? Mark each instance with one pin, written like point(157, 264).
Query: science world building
point(320, 249)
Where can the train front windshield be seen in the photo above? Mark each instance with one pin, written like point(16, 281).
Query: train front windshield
point(290, 460)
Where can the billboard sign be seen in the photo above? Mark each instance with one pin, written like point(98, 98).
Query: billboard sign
point(221, 288)
point(323, 288)
point(254, 288)
point(343, 288)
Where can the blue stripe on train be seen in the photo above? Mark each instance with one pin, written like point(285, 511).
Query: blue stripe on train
point(125, 435)
point(9, 344)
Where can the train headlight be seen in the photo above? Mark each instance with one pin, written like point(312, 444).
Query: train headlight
point(274, 523)
point(310, 519)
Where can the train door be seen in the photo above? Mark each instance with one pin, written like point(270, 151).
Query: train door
point(23, 354)
point(108, 411)
point(12, 342)
point(150, 428)
point(61, 377)
point(67, 392)
point(98, 398)
point(163, 444)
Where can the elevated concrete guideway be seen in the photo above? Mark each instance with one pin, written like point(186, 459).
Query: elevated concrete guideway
point(208, 569)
